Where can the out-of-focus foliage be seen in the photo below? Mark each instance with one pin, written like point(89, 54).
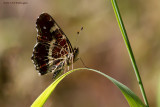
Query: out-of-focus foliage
point(101, 47)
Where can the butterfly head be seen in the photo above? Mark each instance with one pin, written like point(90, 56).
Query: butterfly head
point(75, 54)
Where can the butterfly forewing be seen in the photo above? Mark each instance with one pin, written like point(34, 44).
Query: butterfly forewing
point(53, 50)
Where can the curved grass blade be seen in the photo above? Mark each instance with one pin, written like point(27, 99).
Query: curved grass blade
point(132, 99)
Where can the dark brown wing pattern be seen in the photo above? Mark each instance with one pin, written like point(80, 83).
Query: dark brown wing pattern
point(53, 50)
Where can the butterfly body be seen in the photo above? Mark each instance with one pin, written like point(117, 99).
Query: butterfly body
point(53, 51)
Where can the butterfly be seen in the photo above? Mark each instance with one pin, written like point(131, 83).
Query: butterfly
point(53, 50)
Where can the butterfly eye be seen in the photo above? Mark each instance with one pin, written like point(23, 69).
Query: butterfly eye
point(76, 52)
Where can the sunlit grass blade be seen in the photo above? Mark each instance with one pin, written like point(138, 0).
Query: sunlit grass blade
point(132, 99)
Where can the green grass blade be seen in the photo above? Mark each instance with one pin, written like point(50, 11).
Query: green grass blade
point(158, 93)
point(127, 43)
point(132, 99)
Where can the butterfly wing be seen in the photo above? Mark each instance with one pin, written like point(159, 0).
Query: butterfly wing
point(53, 49)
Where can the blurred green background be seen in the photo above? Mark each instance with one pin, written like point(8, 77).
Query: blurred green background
point(101, 47)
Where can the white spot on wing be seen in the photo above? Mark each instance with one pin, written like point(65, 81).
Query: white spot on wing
point(63, 37)
point(39, 74)
point(44, 27)
point(50, 19)
point(54, 28)
point(37, 30)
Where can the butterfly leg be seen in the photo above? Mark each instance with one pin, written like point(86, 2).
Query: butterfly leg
point(64, 69)
point(68, 67)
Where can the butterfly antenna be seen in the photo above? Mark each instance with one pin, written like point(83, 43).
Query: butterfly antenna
point(78, 33)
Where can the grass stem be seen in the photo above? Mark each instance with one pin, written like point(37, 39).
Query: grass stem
point(126, 40)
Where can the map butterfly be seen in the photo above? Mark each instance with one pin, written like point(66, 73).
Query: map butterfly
point(53, 51)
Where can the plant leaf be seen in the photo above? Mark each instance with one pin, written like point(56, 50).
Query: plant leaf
point(158, 93)
point(132, 99)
